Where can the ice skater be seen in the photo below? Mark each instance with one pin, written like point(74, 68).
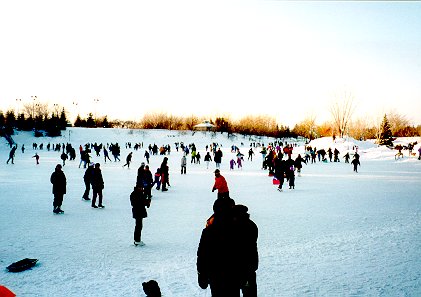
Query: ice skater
point(58, 179)
point(12, 154)
point(139, 201)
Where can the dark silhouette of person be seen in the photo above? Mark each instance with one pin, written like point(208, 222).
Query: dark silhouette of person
point(58, 179)
point(227, 257)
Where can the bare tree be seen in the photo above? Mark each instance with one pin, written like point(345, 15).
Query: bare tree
point(342, 110)
point(359, 129)
point(307, 127)
point(36, 110)
point(397, 122)
point(191, 121)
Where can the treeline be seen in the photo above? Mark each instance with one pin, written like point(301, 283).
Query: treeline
point(51, 121)
point(264, 126)
point(40, 120)
point(249, 125)
point(363, 128)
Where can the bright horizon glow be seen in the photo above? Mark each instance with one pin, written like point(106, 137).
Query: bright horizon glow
point(236, 58)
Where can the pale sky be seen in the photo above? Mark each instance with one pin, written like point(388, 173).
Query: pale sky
point(285, 59)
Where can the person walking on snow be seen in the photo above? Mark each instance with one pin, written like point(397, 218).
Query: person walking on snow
point(164, 175)
point(240, 162)
point(157, 179)
point(251, 153)
point(220, 185)
point(128, 160)
point(97, 183)
point(183, 164)
point(207, 159)
point(355, 162)
point(232, 164)
point(218, 158)
point(58, 179)
point(64, 157)
point(227, 255)
point(36, 156)
point(148, 182)
point(106, 155)
point(12, 154)
point(87, 177)
point(139, 201)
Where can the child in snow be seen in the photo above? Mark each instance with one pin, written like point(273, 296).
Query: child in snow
point(239, 163)
point(157, 180)
point(232, 164)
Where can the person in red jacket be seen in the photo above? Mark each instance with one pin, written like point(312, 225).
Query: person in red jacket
point(220, 185)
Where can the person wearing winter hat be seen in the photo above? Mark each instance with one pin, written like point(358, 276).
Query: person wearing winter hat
point(58, 179)
point(220, 185)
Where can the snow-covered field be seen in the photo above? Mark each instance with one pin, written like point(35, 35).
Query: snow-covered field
point(339, 233)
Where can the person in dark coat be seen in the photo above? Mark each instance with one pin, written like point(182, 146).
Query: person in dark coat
point(148, 182)
point(298, 163)
point(346, 157)
point(87, 180)
point(63, 157)
point(139, 201)
point(289, 172)
point(97, 183)
point(227, 257)
point(12, 154)
point(217, 158)
point(248, 258)
point(164, 174)
point(207, 159)
point(336, 155)
point(216, 252)
point(330, 153)
point(58, 179)
point(140, 178)
point(355, 162)
point(128, 160)
point(279, 171)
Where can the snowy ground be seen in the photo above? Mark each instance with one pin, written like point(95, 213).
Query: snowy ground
point(339, 233)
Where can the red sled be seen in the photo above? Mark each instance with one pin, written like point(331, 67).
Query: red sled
point(275, 181)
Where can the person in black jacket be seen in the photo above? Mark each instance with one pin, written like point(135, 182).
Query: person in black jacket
point(164, 174)
point(87, 180)
point(97, 183)
point(58, 179)
point(138, 201)
point(227, 256)
point(148, 182)
point(247, 255)
point(279, 168)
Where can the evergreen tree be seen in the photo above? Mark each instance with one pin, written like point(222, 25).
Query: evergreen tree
point(20, 122)
point(79, 122)
point(2, 119)
point(105, 123)
point(63, 120)
point(10, 122)
point(53, 126)
point(385, 134)
point(90, 122)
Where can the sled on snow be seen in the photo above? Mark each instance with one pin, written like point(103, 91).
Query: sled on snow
point(22, 265)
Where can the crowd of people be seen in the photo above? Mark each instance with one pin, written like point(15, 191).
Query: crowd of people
point(227, 256)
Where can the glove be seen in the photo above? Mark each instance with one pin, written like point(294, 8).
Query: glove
point(203, 281)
